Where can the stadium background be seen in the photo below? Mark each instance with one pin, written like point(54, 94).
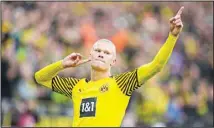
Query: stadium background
point(35, 34)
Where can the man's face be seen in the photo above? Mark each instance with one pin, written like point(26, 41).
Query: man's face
point(103, 55)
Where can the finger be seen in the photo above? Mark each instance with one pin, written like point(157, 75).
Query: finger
point(179, 24)
point(180, 11)
point(77, 58)
point(78, 54)
point(74, 57)
point(73, 54)
point(177, 21)
point(84, 61)
point(177, 17)
point(172, 19)
point(81, 56)
point(76, 61)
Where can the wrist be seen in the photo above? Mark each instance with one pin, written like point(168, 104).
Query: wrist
point(173, 35)
point(62, 65)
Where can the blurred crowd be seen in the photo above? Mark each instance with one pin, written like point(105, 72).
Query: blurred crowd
point(35, 34)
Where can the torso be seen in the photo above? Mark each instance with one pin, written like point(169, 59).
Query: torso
point(98, 103)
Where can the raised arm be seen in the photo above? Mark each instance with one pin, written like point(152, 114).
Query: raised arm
point(130, 81)
point(49, 78)
point(148, 70)
point(46, 74)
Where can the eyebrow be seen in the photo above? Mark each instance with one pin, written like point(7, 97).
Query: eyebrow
point(107, 51)
point(103, 50)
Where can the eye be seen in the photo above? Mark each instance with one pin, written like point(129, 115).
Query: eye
point(106, 52)
point(97, 50)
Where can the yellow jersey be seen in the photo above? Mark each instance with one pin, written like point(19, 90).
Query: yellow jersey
point(102, 102)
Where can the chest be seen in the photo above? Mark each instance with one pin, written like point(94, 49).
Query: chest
point(97, 99)
point(94, 89)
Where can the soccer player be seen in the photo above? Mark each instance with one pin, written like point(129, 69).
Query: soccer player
point(102, 100)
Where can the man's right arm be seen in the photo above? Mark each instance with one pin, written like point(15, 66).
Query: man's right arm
point(49, 78)
point(45, 75)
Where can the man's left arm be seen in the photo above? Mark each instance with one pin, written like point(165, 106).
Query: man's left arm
point(146, 71)
point(130, 81)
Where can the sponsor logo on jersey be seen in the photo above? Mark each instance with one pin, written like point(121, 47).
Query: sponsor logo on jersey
point(88, 107)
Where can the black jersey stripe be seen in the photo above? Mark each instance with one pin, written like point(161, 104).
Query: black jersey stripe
point(67, 82)
point(129, 83)
point(76, 80)
point(118, 78)
point(66, 86)
point(123, 81)
point(72, 82)
point(55, 85)
point(60, 85)
point(135, 84)
point(63, 86)
point(134, 80)
point(55, 88)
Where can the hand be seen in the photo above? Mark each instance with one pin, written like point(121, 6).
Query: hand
point(73, 60)
point(176, 24)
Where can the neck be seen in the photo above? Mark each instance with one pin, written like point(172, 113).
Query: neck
point(97, 74)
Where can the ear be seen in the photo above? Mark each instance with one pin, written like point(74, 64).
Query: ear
point(89, 57)
point(90, 53)
point(113, 62)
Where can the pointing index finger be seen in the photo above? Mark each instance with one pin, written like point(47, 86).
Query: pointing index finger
point(84, 61)
point(180, 11)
